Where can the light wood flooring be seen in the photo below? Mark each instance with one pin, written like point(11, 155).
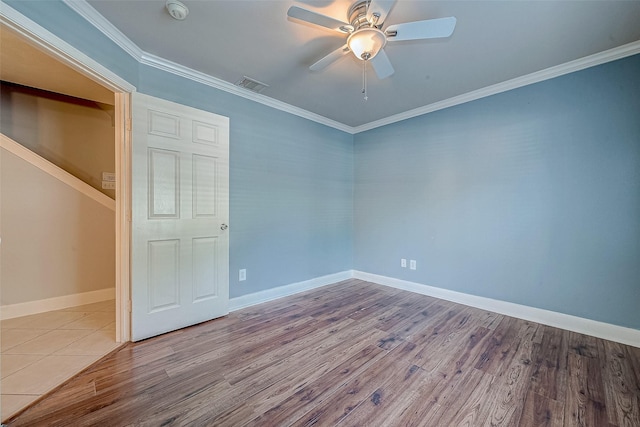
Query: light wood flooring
point(355, 354)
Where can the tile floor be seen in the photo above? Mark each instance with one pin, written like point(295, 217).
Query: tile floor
point(41, 351)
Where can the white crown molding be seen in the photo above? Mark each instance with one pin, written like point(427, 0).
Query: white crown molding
point(538, 76)
point(581, 325)
point(85, 10)
point(88, 12)
point(61, 50)
point(197, 76)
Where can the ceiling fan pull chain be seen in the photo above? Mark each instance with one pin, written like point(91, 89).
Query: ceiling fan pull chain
point(364, 79)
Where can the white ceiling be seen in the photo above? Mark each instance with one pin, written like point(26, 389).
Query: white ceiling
point(494, 41)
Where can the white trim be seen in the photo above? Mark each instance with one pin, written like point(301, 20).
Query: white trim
point(56, 303)
point(94, 17)
point(108, 29)
point(536, 77)
point(581, 325)
point(61, 50)
point(89, 13)
point(282, 291)
point(75, 59)
point(197, 76)
point(54, 171)
point(122, 149)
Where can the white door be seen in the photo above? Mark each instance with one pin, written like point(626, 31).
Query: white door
point(180, 211)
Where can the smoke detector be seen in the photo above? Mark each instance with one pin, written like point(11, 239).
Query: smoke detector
point(177, 9)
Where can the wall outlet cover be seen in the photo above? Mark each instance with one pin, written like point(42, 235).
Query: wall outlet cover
point(108, 185)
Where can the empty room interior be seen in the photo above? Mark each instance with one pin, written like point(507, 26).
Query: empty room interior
point(347, 212)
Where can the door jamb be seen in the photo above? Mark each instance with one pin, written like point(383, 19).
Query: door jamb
point(62, 51)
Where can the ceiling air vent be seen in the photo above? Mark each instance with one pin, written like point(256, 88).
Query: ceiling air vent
point(251, 84)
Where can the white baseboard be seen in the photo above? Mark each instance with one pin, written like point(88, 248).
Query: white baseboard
point(57, 303)
point(282, 291)
point(581, 325)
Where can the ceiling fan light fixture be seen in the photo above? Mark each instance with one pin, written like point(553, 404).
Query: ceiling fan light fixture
point(365, 43)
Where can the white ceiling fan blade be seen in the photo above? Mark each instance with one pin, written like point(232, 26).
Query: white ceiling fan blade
point(329, 59)
point(382, 65)
point(380, 8)
point(429, 29)
point(316, 18)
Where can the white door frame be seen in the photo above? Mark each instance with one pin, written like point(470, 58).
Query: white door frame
point(72, 57)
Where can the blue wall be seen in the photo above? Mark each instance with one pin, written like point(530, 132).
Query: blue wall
point(530, 196)
point(291, 184)
point(291, 179)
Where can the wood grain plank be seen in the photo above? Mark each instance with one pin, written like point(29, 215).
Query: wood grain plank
point(381, 407)
point(502, 346)
point(356, 390)
point(541, 411)
point(467, 407)
point(295, 406)
point(622, 394)
point(513, 379)
point(584, 401)
point(354, 354)
point(549, 376)
point(295, 375)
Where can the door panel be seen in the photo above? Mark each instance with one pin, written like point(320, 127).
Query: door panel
point(180, 200)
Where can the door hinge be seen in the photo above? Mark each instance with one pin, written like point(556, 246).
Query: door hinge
point(127, 124)
point(129, 306)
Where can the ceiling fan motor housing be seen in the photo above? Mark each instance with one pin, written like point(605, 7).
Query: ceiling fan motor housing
point(357, 15)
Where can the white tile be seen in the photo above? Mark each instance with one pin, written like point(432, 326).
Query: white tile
point(109, 327)
point(97, 343)
point(12, 403)
point(13, 337)
point(45, 374)
point(92, 321)
point(11, 363)
point(49, 342)
point(102, 306)
point(49, 320)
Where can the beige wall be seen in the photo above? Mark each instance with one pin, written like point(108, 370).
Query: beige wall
point(55, 240)
point(75, 134)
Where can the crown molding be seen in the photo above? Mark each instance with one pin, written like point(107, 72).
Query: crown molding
point(200, 77)
point(90, 14)
point(538, 76)
point(87, 11)
point(51, 44)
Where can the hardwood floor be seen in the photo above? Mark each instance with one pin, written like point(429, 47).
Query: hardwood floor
point(355, 354)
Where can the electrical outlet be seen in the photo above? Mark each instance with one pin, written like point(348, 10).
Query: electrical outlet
point(412, 264)
point(242, 275)
point(403, 263)
point(108, 185)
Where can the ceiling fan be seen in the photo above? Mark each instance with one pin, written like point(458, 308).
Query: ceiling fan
point(366, 38)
